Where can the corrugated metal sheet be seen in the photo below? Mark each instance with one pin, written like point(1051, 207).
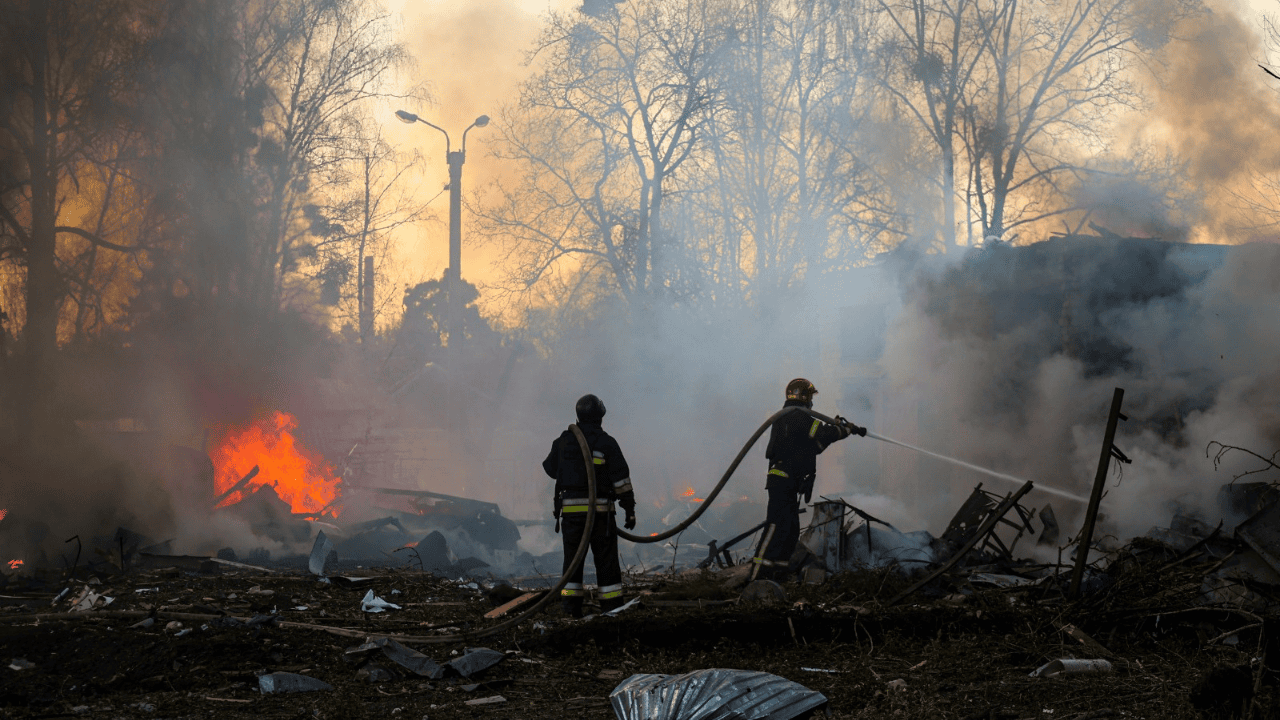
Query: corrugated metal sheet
point(712, 694)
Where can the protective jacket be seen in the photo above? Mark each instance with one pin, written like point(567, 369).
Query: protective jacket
point(613, 483)
point(613, 477)
point(795, 441)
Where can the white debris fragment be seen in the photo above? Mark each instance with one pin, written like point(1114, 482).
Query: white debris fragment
point(374, 604)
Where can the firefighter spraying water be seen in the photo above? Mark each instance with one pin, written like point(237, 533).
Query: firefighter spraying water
point(798, 435)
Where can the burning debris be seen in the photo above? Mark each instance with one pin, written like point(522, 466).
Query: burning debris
point(266, 453)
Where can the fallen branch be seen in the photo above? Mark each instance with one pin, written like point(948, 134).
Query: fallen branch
point(1224, 449)
point(1237, 631)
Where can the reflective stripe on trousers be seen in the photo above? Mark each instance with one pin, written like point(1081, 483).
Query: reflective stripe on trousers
point(611, 591)
point(572, 590)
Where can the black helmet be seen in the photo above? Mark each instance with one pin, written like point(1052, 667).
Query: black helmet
point(590, 409)
point(802, 390)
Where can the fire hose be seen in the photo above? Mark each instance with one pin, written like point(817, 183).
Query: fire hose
point(724, 479)
point(581, 554)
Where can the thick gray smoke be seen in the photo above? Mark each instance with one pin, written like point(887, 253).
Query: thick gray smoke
point(1014, 354)
point(1006, 358)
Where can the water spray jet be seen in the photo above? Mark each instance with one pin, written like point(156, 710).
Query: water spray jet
point(978, 468)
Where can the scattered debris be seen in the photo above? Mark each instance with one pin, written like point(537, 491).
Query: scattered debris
point(373, 604)
point(1071, 666)
point(410, 659)
point(767, 592)
point(285, 682)
point(321, 551)
point(491, 700)
point(21, 664)
point(475, 661)
point(1262, 533)
point(513, 605)
point(712, 693)
point(628, 605)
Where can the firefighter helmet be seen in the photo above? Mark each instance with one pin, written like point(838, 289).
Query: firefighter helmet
point(802, 390)
point(590, 409)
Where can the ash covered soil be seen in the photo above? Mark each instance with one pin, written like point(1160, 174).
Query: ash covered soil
point(942, 653)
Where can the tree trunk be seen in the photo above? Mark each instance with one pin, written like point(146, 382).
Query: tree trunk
point(41, 333)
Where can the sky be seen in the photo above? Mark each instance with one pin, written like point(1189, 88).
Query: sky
point(470, 56)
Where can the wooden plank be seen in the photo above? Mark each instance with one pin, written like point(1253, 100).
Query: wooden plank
point(508, 607)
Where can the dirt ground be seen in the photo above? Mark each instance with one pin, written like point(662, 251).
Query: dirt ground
point(952, 651)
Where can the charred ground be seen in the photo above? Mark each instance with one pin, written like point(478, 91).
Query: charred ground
point(958, 650)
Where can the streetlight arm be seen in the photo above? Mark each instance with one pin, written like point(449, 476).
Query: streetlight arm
point(479, 122)
point(446, 135)
point(409, 117)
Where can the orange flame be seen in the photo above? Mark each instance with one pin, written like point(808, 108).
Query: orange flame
point(15, 564)
point(300, 477)
point(3, 513)
point(688, 493)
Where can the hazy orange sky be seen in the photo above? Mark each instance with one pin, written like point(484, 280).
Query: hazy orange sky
point(470, 55)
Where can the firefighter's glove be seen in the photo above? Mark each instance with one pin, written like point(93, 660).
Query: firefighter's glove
point(806, 489)
point(844, 425)
point(630, 522)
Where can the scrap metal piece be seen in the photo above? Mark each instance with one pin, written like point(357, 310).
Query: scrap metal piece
point(1049, 522)
point(320, 554)
point(407, 658)
point(767, 592)
point(1002, 581)
point(1071, 666)
point(712, 694)
point(824, 535)
point(283, 682)
point(1262, 533)
point(971, 516)
point(720, 554)
point(475, 661)
point(987, 525)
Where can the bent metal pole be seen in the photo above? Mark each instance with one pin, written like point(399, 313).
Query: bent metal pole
point(1091, 515)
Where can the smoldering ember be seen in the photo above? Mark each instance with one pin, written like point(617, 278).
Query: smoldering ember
point(860, 359)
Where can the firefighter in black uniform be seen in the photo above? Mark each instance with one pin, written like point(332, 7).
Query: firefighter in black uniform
point(794, 443)
point(613, 484)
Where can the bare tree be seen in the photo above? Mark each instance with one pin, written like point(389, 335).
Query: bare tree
point(784, 167)
point(66, 71)
point(364, 209)
point(603, 130)
point(1017, 97)
point(315, 64)
point(928, 62)
point(1051, 80)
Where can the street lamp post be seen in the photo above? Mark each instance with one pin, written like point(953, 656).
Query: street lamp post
point(453, 274)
